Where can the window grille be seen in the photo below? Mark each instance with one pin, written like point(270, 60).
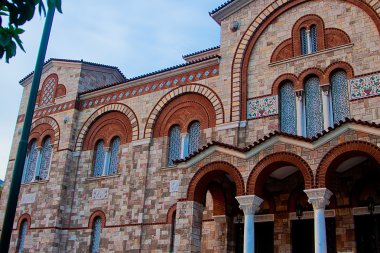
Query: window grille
point(339, 94)
point(174, 144)
point(114, 158)
point(95, 237)
point(194, 134)
point(313, 106)
point(46, 158)
point(288, 115)
point(304, 39)
point(99, 159)
point(32, 163)
point(313, 39)
point(48, 92)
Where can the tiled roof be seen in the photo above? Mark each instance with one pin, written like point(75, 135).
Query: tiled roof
point(77, 61)
point(278, 133)
point(221, 7)
point(155, 73)
point(201, 51)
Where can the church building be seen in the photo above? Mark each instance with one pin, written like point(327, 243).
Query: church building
point(268, 143)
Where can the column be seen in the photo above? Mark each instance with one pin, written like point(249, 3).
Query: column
point(221, 233)
point(326, 106)
point(319, 198)
point(299, 108)
point(106, 165)
point(249, 204)
point(36, 175)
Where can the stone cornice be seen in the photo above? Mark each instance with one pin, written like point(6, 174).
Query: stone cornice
point(220, 14)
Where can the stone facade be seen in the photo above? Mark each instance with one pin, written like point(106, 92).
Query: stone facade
point(232, 91)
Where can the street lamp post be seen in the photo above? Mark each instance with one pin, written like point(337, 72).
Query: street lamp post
point(14, 189)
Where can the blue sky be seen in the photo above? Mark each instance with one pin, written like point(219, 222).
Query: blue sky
point(136, 36)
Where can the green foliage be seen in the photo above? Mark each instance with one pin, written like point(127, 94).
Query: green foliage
point(17, 13)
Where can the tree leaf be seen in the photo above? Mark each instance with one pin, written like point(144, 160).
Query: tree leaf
point(5, 37)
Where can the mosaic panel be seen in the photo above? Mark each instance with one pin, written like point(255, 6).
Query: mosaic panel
point(262, 107)
point(366, 86)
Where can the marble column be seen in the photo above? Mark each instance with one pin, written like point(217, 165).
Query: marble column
point(299, 109)
point(249, 204)
point(319, 198)
point(326, 106)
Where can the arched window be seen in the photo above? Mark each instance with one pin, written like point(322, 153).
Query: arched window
point(288, 116)
point(114, 156)
point(194, 134)
point(99, 159)
point(45, 159)
point(309, 40)
point(339, 94)
point(48, 91)
point(313, 107)
point(95, 237)
point(21, 236)
point(30, 163)
point(174, 144)
point(172, 235)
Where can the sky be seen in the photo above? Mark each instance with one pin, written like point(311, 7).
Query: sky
point(137, 36)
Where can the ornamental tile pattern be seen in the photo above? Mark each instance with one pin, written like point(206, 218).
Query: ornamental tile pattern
point(365, 86)
point(262, 107)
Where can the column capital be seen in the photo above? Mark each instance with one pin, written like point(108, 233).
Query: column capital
point(299, 95)
point(249, 203)
point(319, 198)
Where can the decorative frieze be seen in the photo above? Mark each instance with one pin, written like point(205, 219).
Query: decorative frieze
point(262, 107)
point(28, 198)
point(365, 86)
point(100, 193)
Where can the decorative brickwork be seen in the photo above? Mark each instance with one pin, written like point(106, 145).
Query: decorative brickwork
point(132, 125)
point(239, 69)
point(23, 217)
point(95, 214)
point(340, 153)
point(44, 127)
point(199, 183)
point(194, 89)
point(266, 166)
point(172, 210)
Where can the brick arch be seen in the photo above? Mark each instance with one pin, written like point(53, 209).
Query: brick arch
point(97, 213)
point(270, 163)
point(340, 153)
point(23, 217)
point(41, 94)
point(340, 65)
point(218, 199)
point(197, 89)
point(239, 68)
point(199, 183)
point(44, 127)
point(116, 107)
point(283, 78)
point(169, 216)
point(311, 72)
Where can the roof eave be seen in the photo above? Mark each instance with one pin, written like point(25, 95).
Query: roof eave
point(228, 10)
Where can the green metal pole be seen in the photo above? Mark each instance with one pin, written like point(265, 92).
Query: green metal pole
point(23, 144)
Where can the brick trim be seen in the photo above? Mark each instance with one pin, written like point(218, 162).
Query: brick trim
point(97, 213)
point(102, 111)
point(44, 127)
point(204, 175)
point(23, 217)
point(170, 214)
point(339, 65)
point(282, 79)
point(239, 68)
point(41, 94)
point(267, 165)
point(173, 94)
point(340, 153)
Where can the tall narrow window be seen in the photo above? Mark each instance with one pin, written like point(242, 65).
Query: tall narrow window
point(174, 144)
point(304, 41)
point(339, 94)
point(31, 164)
point(194, 133)
point(95, 237)
point(288, 118)
point(172, 236)
point(48, 92)
point(21, 236)
point(114, 157)
point(313, 106)
point(313, 39)
point(99, 159)
point(45, 159)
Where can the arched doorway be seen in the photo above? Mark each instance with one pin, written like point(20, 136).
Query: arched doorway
point(279, 179)
point(215, 187)
point(352, 172)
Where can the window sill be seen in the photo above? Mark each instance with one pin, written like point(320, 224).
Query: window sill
point(35, 182)
point(301, 57)
point(173, 167)
point(90, 179)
